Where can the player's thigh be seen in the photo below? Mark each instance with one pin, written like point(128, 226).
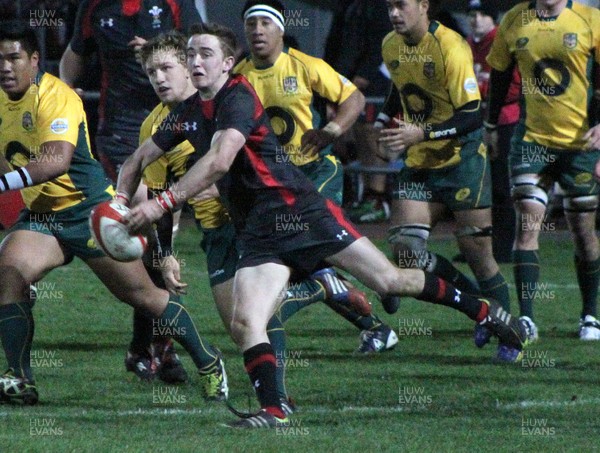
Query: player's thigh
point(413, 212)
point(25, 257)
point(257, 292)
point(130, 283)
point(223, 296)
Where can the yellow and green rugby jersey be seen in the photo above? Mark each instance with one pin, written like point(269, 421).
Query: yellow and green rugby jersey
point(434, 79)
point(211, 213)
point(48, 112)
point(287, 90)
point(554, 58)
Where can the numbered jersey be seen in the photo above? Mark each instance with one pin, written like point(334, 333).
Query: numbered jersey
point(434, 78)
point(50, 112)
point(288, 90)
point(553, 55)
point(173, 165)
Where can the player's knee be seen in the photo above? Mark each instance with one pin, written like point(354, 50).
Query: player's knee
point(242, 327)
point(580, 204)
point(409, 244)
point(472, 231)
point(12, 284)
point(526, 188)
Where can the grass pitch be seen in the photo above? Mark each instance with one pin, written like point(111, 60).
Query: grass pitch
point(435, 392)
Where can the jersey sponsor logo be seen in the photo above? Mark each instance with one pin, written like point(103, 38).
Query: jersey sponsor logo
point(344, 80)
point(155, 12)
point(570, 40)
point(462, 194)
point(429, 69)
point(282, 122)
point(91, 244)
point(470, 85)
point(546, 85)
point(521, 43)
point(290, 85)
point(27, 121)
point(107, 23)
point(418, 103)
point(59, 125)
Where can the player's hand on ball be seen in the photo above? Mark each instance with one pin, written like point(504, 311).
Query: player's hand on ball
point(171, 273)
point(142, 215)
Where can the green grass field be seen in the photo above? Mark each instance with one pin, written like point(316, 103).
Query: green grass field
point(435, 392)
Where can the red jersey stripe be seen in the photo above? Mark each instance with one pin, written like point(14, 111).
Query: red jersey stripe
point(266, 177)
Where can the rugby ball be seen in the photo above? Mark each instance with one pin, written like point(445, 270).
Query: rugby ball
point(111, 234)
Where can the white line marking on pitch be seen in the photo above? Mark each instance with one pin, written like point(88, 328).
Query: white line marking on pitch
point(309, 410)
point(545, 404)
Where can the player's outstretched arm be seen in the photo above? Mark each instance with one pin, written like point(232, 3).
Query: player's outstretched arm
point(131, 171)
point(54, 160)
point(208, 170)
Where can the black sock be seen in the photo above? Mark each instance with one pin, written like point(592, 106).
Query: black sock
point(443, 268)
point(441, 292)
point(16, 333)
point(142, 333)
point(588, 276)
point(259, 362)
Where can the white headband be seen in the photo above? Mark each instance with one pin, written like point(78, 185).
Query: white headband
point(266, 10)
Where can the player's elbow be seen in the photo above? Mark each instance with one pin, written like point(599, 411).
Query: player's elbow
point(355, 103)
point(69, 66)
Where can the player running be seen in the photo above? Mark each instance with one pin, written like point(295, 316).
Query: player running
point(447, 167)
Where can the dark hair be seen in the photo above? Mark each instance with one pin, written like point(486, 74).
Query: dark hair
point(173, 40)
point(224, 34)
point(16, 31)
point(272, 3)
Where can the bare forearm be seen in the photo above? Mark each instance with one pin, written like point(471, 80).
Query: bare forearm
point(131, 171)
point(349, 110)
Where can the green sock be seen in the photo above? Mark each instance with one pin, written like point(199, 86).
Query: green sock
point(175, 322)
point(444, 269)
point(276, 334)
point(361, 322)
point(16, 333)
point(527, 273)
point(299, 296)
point(497, 289)
point(588, 277)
